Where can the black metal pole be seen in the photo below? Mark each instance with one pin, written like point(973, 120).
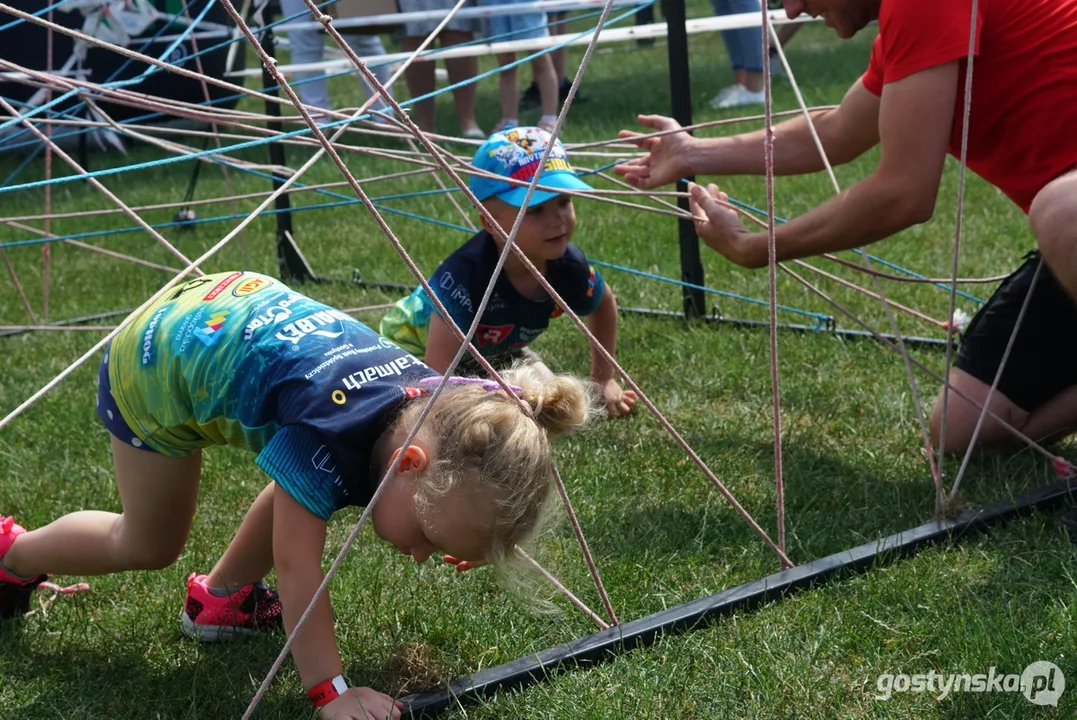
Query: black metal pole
point(680, 95)
point(290, 263)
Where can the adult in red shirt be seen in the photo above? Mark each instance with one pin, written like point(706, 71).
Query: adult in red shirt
point(1022, 137)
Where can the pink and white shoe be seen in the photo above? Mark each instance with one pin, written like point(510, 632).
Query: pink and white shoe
point(209, 618)
point(14, 592)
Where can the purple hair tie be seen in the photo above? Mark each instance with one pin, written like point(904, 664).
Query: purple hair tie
point(488, 385)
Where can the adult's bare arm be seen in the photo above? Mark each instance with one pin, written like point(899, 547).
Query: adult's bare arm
point(846, 132)
point(915, 121)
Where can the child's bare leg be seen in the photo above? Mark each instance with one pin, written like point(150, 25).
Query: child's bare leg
point(158, 493)
point(510, 103)
point(542, 68)
point(249, 556)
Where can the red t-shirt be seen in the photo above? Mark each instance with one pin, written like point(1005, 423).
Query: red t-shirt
point(1023, 124)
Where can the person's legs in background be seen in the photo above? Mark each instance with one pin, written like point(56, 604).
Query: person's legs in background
point(531, 97)
point(420, 76)
point(420, 79)
point(507, 89)
point(524, 26)
point(463, 97)
point(307, 46)
point(745, 48)
point(371, 46)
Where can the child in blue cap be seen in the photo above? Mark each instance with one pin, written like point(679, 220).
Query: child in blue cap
point(519, 309)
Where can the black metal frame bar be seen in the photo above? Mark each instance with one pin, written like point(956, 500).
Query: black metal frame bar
point(607, 644)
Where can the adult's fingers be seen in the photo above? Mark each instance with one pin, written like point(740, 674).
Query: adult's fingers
point(638, 176)
point(705, 201)
point(661, 123)
point(645, 142)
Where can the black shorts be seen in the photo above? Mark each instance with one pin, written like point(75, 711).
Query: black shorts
point(1041, 363)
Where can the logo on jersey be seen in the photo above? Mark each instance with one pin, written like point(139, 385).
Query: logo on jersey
point(208, 335)
point(249, 287)
point(219, 287)
point(271, 315)
point(492, 334)
point(147, 337)
point(591, 282)
point(295, 331)
point(323, 460)
point(393, 368)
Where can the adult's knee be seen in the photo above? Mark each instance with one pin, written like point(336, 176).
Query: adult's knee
point(959, 429)
point(962, 418)
point(1053, 216)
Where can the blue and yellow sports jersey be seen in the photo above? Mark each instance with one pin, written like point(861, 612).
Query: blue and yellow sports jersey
point(511, 320)
point(240, 359)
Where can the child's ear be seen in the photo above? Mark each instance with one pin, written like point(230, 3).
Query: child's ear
point(486, 224)
point(414, 459)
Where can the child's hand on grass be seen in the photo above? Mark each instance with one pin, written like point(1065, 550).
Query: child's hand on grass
point(361, 704)
point(619, 402)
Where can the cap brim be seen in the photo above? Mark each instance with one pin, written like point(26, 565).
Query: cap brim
point(562, 180)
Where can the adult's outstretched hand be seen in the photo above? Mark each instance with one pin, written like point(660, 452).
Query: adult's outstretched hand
point(667, 156)
point(721, 229)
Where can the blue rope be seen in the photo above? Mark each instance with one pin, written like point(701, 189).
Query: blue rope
point(820, 319)
point(25, 163)
point(295, 133)
point(341, 73)
point(142, 48)
point(151, 69)
point(345, 200)
point(77, 107)
point(40, 13)
point(224, 218)
point(873, 258)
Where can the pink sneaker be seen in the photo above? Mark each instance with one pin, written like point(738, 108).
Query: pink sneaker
point(14, 592)
point(209, 618)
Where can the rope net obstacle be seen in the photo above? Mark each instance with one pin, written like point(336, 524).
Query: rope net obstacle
point(154, 84)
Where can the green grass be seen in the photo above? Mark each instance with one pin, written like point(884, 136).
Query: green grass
point(854, 469)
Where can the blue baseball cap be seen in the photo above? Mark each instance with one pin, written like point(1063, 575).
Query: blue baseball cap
point(515, 153)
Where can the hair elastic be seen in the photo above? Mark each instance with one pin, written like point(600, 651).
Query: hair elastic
point(488, 385)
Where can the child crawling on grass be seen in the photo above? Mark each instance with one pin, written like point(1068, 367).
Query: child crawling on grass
point(520, 309)
point(239, 359)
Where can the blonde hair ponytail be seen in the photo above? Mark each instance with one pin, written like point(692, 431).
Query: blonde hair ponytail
point(561, 404)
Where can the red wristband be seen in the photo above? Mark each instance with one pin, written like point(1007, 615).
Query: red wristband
point(326, 692)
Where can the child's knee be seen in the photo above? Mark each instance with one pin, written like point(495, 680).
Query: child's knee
point(147, 554)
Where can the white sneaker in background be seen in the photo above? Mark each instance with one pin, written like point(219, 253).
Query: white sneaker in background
point(723, 95)
point(742, 96)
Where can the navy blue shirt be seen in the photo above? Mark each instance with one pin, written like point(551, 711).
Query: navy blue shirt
point(510, 320)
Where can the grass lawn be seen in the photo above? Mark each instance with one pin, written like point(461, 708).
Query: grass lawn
point(854, 468)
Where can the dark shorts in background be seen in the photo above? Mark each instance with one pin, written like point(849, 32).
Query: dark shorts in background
point(1043, 362)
